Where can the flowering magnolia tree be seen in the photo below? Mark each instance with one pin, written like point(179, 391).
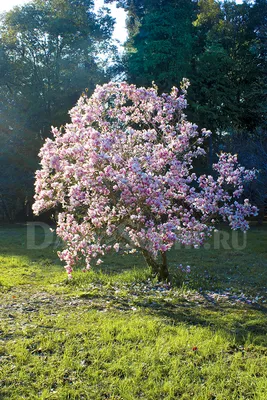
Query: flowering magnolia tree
point(122, 170)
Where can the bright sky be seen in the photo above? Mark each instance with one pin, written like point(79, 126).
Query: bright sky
point(119, 31)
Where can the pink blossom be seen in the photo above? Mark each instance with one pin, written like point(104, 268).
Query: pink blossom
point(122, 170)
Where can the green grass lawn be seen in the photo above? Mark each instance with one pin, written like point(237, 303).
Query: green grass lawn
point(115, 333)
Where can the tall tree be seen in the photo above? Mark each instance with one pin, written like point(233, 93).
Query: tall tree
point(228, 91)
point(53, 47)
point(258, 21)
point(160, 41)
point(228, 99)
point(50, 51)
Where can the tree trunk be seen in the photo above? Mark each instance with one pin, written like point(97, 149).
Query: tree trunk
point(160, 270)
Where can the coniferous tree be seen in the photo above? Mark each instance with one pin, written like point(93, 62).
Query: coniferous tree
point(160, 41)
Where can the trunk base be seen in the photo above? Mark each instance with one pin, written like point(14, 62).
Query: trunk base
point(159, 270)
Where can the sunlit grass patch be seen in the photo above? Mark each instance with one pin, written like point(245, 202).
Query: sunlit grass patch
point(115, 333)
point(128, 356)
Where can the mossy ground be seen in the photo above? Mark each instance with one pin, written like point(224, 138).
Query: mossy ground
point(115, 333)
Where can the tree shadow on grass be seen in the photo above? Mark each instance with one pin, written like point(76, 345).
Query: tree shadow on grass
point(243, 322)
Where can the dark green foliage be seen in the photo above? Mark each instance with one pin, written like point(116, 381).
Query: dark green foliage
point(226, 85)
point(160, 42)
point(259, 25)
point(219, 46)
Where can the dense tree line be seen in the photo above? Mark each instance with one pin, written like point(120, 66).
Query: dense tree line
point(51, 50)
point(219, 46)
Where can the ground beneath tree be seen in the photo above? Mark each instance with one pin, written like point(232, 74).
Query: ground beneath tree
point(17, 305)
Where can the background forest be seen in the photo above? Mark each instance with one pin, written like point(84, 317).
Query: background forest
point(53, 50)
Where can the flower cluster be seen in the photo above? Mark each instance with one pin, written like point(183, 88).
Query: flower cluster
point(122, 170)
point(184, 270)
